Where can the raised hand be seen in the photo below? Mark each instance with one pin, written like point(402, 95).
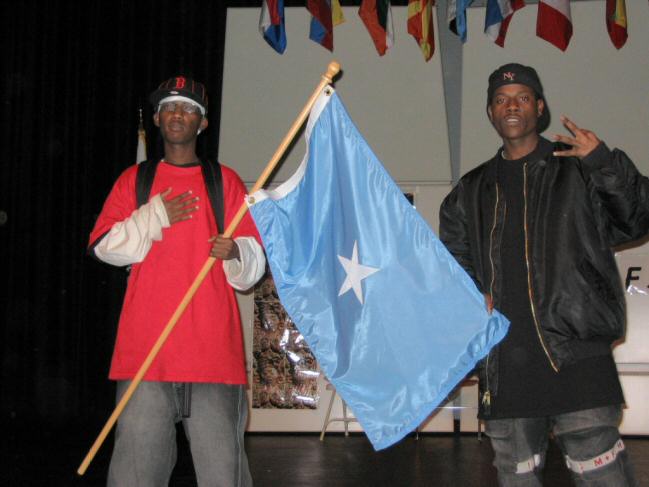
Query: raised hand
point(583, 141)
point(179, 208)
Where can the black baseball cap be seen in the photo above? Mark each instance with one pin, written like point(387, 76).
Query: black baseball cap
point(180, 87)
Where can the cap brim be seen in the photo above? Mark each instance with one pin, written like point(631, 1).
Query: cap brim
point(158, 95)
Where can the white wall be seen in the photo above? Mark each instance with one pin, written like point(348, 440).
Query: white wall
point(396, 100)
point(632, 354)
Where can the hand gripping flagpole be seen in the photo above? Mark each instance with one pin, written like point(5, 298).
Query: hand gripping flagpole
point(332, 71)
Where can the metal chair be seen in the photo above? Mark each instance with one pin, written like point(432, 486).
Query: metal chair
point(328, 419)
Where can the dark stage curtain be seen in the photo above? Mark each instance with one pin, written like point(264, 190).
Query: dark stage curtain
point(73, 77)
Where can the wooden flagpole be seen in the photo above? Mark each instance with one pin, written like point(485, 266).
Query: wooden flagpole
point(332, 71)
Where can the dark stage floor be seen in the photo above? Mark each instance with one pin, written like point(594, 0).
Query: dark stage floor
point(46, 457)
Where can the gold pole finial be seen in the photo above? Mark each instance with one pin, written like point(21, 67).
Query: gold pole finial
point(332, 70)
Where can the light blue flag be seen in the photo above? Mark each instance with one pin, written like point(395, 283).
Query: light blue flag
point(391, 317)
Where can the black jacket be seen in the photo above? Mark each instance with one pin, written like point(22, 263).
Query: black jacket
point(575, 212)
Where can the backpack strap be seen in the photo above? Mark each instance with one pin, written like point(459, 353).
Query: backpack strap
point(144, 181)
point(214, 184)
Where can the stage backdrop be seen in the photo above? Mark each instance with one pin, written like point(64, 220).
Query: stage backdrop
point(73, 77)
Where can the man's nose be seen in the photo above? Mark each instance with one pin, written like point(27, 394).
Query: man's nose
point(512, 104)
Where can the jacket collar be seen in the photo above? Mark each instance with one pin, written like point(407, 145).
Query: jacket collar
point(542, 152)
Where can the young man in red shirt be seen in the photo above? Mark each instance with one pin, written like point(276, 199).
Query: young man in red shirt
point(166, 241)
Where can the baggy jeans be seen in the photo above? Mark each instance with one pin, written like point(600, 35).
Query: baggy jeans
point(145, 452)
point(589, 439)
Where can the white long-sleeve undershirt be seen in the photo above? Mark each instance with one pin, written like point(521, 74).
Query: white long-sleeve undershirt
point(129, 241)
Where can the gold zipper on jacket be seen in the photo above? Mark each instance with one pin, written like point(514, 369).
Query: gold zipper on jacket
point(491, 243)
point(529, 273)
point(486, 397)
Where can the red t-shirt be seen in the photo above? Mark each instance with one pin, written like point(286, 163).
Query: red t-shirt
point(206, 345)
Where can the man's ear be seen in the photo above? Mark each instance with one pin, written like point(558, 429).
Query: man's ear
point(202, 126)
point(156, 119)
point(490, 114)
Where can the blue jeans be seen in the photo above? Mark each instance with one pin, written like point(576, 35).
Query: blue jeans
point(145, 438)
point(589, 440)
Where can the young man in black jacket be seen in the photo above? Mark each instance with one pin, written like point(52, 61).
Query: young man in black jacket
point(534, 227)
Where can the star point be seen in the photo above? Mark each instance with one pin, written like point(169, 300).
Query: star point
point(356, 272)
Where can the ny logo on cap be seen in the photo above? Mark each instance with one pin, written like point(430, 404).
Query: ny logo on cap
point(509, 76)
point(180, 83)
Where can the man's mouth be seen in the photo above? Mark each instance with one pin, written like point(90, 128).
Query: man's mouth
point(176, 127)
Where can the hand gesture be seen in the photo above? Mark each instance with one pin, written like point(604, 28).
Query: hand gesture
point(224, 248)
point(583, 141)
point(180, 207)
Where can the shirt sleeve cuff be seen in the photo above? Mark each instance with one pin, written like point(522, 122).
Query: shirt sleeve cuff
point(244, 272)
point(598, 158)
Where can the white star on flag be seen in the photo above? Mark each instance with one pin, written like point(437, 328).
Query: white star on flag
point(355, 274)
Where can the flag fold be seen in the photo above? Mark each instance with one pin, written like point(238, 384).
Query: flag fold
point(554, 22)
point(321, 29)
point(616, 22)
point(271, 24)
point(377, 17)
point(393, 320)
point(498, 15)
point(456, 17)
point(420, 25)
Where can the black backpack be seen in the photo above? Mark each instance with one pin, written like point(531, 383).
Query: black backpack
point(211, 176)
